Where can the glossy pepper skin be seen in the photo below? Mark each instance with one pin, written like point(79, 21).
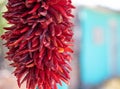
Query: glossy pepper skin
point(39, 41)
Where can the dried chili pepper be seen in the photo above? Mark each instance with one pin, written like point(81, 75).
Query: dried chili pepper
point(39, 41)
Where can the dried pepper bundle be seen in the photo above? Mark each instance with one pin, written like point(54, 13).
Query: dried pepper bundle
point(39, 41)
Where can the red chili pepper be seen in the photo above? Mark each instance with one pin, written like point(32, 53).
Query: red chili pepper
point(39, 41)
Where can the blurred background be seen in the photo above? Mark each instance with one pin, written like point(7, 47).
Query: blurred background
point(96, 58)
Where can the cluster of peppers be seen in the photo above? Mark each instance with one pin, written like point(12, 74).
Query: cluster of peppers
point(39, 41)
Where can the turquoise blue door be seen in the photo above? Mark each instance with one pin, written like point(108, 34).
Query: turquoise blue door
point(100, 45)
